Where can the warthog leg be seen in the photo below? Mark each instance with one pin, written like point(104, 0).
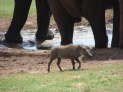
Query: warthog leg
point(78, 61)
point(49, 64)
point(58, 64)
point(73, 63)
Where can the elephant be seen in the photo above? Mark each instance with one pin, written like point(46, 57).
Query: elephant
point(121, 24)
point(67, 12)
point(21, 10)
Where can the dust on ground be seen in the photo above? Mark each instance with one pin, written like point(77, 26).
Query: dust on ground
point(14, 60)
point(18, 60)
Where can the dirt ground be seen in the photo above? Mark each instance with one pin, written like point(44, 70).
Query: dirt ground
point(14, 60)
point(17, 60)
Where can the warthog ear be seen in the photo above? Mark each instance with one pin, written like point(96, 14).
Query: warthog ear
point(79, 46)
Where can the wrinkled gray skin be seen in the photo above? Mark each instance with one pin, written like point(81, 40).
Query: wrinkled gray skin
point(72, 52)
point(67, 12)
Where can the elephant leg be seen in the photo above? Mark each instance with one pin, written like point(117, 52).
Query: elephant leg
point(121, 24)
point(97, 22)
point(19, 18)
point(66, 31)
point(43, 19)
point(116, 30)
point(64, 21)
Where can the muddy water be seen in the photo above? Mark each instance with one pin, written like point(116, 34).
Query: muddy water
point(82, 35)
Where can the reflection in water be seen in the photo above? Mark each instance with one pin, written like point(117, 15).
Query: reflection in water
point(82, 35)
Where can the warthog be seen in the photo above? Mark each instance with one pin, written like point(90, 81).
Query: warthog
point(72, 52)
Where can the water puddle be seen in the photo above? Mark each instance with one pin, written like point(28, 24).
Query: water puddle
point(82, 35)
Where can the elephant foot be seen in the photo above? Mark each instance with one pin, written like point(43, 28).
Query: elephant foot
point(41, 41)
point(115, 46)
point(121, 45)
point(13, 38)
point(115, 43)
point(66, 42)
point(40, 37)
point(45, 45)
point(101, 46)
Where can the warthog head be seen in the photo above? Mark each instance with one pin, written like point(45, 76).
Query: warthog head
point(86, 51)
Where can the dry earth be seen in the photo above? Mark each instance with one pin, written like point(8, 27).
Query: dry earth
point(17, 60)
